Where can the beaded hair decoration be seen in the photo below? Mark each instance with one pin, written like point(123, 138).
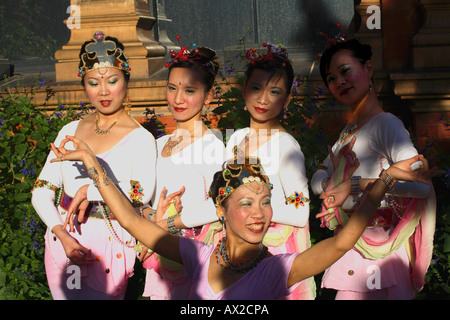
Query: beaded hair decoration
point(241, 171)
point(341, 37)
point(102, 53)
point(184, 55)
point(278, 56)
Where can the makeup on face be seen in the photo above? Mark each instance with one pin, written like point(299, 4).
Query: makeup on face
point(348, 79)
point(265, 95)
point(106, 90)
point(185, 94)
point(249, 212)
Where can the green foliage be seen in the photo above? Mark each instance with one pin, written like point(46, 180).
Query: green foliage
point(26, 132)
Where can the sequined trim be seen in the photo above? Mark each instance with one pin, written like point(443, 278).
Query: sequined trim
point(44, 184)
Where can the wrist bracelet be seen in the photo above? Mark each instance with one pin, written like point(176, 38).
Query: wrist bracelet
point(150, 215)
point(325, 183)
point(356, 189)
point(171, 226)
point(387, 180)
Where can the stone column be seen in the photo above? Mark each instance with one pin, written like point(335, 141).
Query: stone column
point(128, 20)
point(431, 46)
point(427, 85)
point(159, 11)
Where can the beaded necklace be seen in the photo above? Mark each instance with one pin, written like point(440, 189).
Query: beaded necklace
point(128, 244)
point(349, 129)
point(221, 252)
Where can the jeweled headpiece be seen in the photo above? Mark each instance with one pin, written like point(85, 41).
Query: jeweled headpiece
point(277, 55)
point(102, 53)
point(184, 55)
point(341, 37)
point(240, 171)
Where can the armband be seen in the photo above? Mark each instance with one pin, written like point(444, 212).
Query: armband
point(44, 184)
point(136, 194)
point(297, 199)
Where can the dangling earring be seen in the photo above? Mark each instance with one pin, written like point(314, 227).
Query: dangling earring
point(127, 104)
point(245, 108)
point(224, 230)
point(285, 113)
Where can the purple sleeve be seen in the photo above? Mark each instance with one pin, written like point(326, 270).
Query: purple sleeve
point(194, 254)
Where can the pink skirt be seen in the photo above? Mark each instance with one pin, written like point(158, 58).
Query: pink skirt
point(358, 278)
point(104, 279)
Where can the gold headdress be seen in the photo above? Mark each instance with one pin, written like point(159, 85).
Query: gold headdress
point(102, 53)
point(237, 172)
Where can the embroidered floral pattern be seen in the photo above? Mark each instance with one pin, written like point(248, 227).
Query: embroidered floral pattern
point(136, 193)
point(297, 199)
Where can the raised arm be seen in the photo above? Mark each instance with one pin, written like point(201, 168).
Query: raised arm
point(148, 233)
point(322, 255)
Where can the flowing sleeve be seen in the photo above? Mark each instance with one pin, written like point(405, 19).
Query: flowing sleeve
point(139, 156)
point(204, 212)
point(391, 139)
point(49, 180)
point(292, 174)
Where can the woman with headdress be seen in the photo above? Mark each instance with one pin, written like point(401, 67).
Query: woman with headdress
point(240, 265)
point(187, 159)
point(267, 94)
point(91, 256)
point(391, 259)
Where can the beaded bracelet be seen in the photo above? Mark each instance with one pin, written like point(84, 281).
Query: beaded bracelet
point(171, 226)
point(387, 180)
point(150, 215)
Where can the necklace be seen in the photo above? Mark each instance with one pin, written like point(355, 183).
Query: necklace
point(101, 132)
point(170, 145)
point(349, 129)
point(106, 217)
point(221, 252)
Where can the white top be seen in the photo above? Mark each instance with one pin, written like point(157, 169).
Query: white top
point(381, 142)
point(284, 164)
point(131, 159)
point(194, 168)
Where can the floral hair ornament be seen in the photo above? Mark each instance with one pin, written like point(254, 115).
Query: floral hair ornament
point(341, 37)
point(184, 55)
point(277, 55)
point(242, 171)
point(102, 53)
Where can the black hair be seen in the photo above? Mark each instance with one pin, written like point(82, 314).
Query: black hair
point(204, 63)
point(362, 52)
point(218, 182)
point(119, 45)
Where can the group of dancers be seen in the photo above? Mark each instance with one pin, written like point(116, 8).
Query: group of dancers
point(210, 221)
